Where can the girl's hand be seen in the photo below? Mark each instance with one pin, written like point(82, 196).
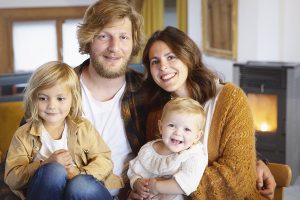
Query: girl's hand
point(72, 172)
point(62, 157)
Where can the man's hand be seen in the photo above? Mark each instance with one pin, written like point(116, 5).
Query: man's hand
point(141, 186)
point(134, 196)
point(265, 181)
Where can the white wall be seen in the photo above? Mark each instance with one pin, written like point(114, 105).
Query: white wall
point(268, 30)
point(291, 31)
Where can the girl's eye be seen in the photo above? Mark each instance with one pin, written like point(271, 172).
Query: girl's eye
point(123, 37)
point(61, 98)
point(42, 98)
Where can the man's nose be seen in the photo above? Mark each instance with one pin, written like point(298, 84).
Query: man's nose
point(114, 44)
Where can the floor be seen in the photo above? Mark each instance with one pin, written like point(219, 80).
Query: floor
point(293, 192)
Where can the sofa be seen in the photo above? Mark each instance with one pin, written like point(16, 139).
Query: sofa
point(11, 113)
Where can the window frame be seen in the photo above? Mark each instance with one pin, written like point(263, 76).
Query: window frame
point(10, 15)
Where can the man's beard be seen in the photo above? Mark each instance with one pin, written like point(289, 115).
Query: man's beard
point(104, 71)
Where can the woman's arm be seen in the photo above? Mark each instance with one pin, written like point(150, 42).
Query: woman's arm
point(231, 171)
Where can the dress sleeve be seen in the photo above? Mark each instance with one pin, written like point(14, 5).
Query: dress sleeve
point(231, 172)
point(136, 168)
point(191, 171)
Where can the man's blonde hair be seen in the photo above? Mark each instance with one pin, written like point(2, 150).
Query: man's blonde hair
point(46, 76)
point(101, 13)
point(185, 105)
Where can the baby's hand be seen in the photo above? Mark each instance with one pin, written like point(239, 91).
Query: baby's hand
point(141, 187)
point(152, 186)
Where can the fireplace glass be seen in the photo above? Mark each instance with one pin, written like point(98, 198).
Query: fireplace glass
point(264, 110)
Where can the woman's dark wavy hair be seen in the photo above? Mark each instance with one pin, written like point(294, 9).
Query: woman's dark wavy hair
point(200, 80)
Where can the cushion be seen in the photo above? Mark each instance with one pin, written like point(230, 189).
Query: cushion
point(11, 114)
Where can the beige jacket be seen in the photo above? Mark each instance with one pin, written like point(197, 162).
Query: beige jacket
point(87, 148)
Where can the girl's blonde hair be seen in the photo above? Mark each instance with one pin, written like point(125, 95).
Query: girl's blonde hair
point(185, 105)
point(101, 13)
point(46, 76)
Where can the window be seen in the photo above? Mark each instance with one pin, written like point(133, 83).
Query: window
point(30, 37)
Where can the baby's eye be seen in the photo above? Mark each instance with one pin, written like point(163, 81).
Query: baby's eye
point(171, 125)
point(187, 129)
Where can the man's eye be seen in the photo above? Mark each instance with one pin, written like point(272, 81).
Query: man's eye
point(102, 37)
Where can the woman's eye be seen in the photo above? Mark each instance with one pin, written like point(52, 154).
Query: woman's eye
point(154, 62)
point(171, 57)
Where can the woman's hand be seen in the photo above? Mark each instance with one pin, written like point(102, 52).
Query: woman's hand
point(265, 181)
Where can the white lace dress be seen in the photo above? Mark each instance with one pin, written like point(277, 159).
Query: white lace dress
point(186, 167)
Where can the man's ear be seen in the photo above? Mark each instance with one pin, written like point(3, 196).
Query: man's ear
point(159, 126)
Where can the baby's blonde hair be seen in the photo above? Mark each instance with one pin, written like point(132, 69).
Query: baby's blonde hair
point(185, 105)
point(46, 76)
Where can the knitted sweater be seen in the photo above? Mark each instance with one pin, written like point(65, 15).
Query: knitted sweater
point(231, 171)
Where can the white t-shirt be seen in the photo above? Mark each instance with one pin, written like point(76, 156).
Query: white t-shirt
point(107, 119)
point(209, 109)
point(49, 145)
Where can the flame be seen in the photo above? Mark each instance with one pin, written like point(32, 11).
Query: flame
point(264, 127)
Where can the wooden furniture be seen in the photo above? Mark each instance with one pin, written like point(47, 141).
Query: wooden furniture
point(283, 176)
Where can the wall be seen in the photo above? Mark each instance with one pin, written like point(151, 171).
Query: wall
point(267, 30)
